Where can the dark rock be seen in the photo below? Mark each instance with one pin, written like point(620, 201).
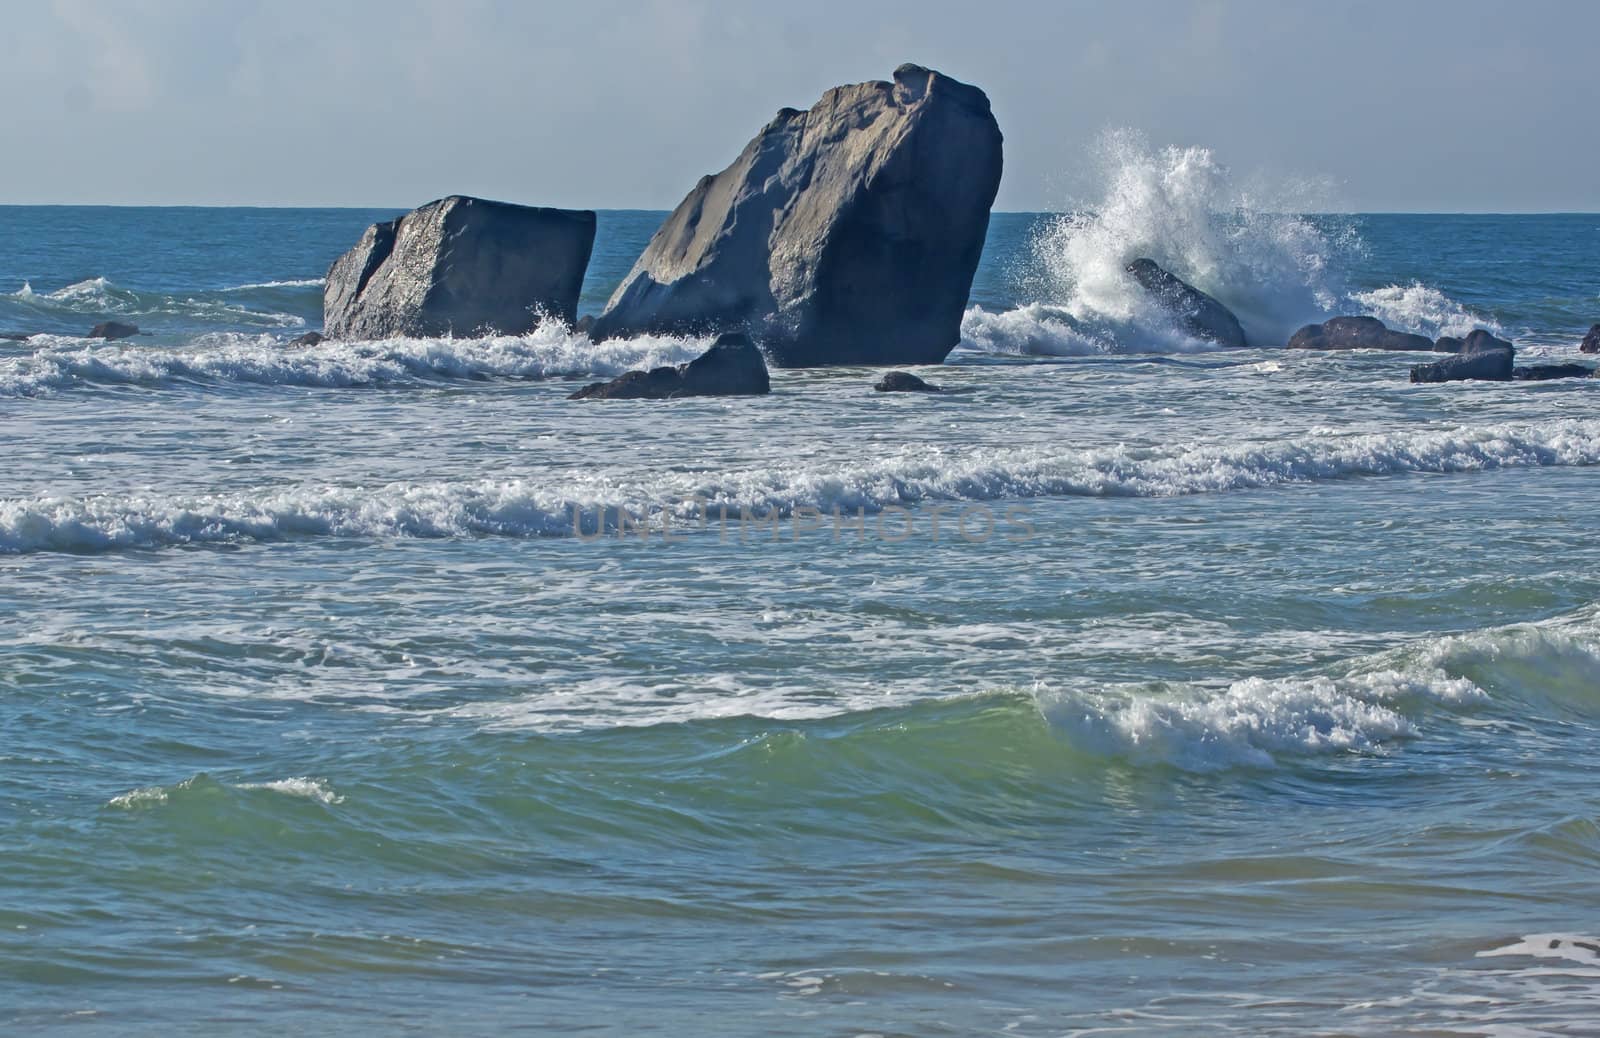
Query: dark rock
point(846, 234)
point(459, 266)
point(1484, 365)
point(1448, 344)
point(1591, 342)
point(1356, 333)
point(308, 339)
point(1546, 372)
point(584, 325)
point(17, 336)
point(731, 367)
point(1200, 315)
point(904, 382)
point(109, 330)
point(1480, 341)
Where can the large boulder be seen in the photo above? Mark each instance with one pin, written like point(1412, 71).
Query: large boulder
point(1356, 333)
point(1591, 342)
point(112, 330)
point(1197, 313)
point(459, 266)
point(846, 234)
point(733, 366)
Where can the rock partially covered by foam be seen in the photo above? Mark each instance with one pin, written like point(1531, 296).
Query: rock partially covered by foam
point(460, 266)
point(1591, 342)
point(845, 234)
point(111, 330)
point(1197, 314)
point(1356, 333)
point(733, 366)
point(1483, 358)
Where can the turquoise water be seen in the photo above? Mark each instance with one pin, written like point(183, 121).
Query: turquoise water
point(1267, 704)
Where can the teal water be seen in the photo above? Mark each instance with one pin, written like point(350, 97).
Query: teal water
point(1266, 705)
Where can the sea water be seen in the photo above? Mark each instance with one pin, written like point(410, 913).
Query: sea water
point(1138, 687)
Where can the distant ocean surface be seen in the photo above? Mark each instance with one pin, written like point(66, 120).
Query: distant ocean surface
point(1141, 689)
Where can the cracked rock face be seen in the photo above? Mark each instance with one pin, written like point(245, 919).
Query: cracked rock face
point(460, 266)
point(845, 234)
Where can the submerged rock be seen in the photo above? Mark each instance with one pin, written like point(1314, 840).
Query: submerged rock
point(17, 336)
point(308, 339)
point(904, 382)
point(1356, 333)
point(731, 367)
point(1483, 365)
point(846, 234)
point(459, 266)
point(1591, 342)
point(1199, 314)
point(110, 330)
point(1547, 372)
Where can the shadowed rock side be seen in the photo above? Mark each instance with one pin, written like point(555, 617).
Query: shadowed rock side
point(1591, 342)
point(1483, 358)
point(459, 266)
point(731, 367)
point(846, 234)
point(1199, 314)
point(1356, 333)
point(904, 382)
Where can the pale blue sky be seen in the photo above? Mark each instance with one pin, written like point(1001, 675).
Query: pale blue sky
point(1394, 105)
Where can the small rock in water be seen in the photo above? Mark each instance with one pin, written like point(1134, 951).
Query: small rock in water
point(308, 339)
point(109, 330)
point(1546, 372)
point(904, 382)
point(1355, 333)
point(1591, 342)
point(733, 366)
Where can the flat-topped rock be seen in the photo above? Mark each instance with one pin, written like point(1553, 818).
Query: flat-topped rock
point(845, 234)
point(460, 266)
point(1197, 314)
point(1356, 333)
point(733, 366)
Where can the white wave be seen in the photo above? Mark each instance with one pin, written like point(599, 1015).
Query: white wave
point(153, 796)
point(1179, 207)
point(309, 788)
point(99, 297)
point(1252, 722)
point(551, 350)
point(292, 283)
point(1042, 330)
point(1421, 309)
point(546, 505)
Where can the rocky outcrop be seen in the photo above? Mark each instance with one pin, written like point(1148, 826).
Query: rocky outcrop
point(733, 366)
point(308, 339)
point(1591, 342)
point(110, 330)
point(904, 382)
point(1483, 358)
point(1197, 313)
point(1547, 372)
point(1356, 333)
point(1477, 341)
point(459, 266)
point(845, 234)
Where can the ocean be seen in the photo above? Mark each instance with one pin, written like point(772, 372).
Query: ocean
point(1137, 687)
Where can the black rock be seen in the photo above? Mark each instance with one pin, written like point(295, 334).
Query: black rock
point(904, 382)
point(1200, 315)
point(1546, 372)
point(1591, 342)
point(17, 336)
point(308, 339)
point(584, 325)
point(1448, 344)
point(1484, 366)
point(459, 266)
point(1480, 341)
point(109, 330)
point(1356, 333)
point(846, 234)
point(733, 366)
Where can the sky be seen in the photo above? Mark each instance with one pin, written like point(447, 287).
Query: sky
point(1400, 105)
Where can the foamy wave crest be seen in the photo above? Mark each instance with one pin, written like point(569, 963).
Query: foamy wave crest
point(551, 350)
point(554, 505)
point(96, 298)
point(293, 283)
point(1421, 309)
point(1179, 207)
point(203, 786)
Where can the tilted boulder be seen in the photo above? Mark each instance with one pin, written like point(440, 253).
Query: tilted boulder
point(1591, 342)
point(733, 366)
point(459, 266)
point(1356, 333)
point(846, 234)
point(1197, 313)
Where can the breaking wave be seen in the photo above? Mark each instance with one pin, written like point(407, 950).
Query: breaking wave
point(95, 299)
point(555, 505)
